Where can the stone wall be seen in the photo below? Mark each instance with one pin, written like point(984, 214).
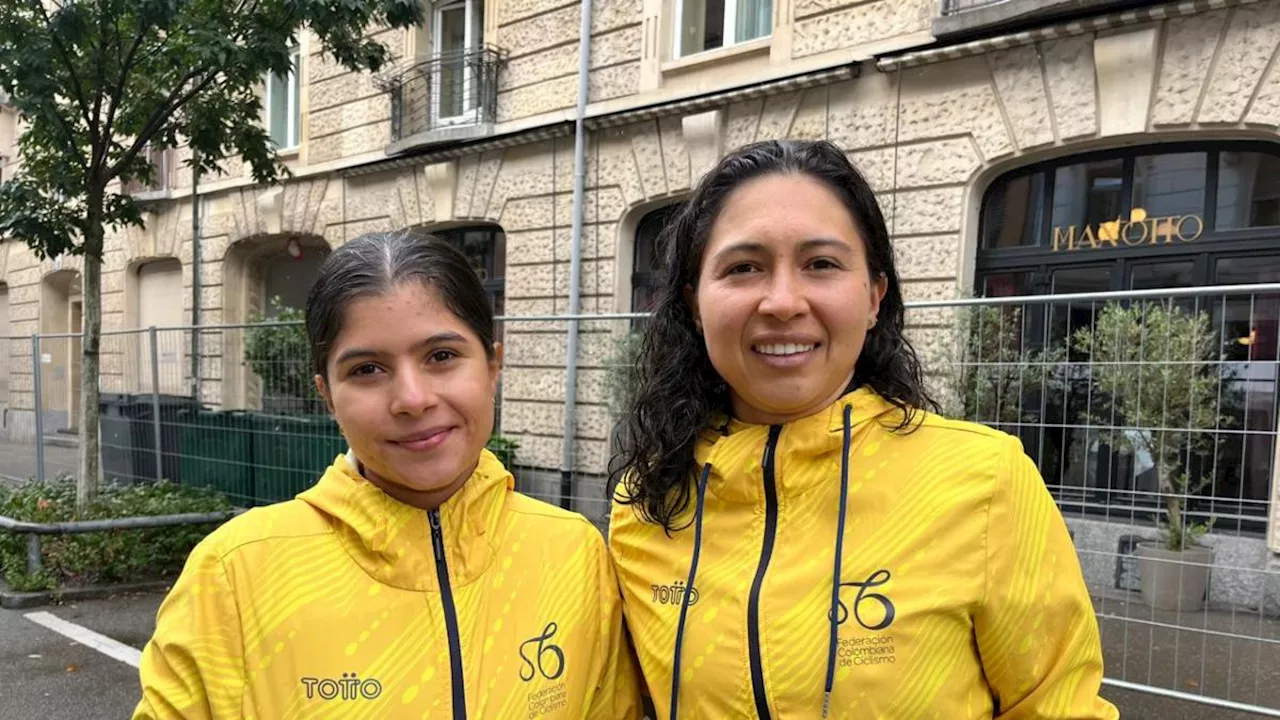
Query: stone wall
point(1243, 575)
point(822, 25)
point(541, 38)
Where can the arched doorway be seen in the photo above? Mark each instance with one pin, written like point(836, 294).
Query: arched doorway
point(265, 278)
point(1144, 218)
point(154, 298)
point(8, 346)
point(61, 313)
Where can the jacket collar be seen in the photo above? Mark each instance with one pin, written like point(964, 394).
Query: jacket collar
point(392, 541)
point(735, 449)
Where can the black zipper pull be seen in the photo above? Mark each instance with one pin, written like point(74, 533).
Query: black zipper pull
point(437, 537)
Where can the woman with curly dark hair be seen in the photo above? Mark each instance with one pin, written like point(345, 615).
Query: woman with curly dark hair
point(796, 533)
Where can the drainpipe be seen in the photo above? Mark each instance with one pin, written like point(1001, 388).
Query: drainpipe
point(195, 279)
point(575, 259)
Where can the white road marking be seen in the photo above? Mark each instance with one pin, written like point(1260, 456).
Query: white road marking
point(85, 636)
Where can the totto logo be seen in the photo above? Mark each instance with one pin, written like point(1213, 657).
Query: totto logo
point(348, 687)
point(548, 659)
point(878, 578)
point(674, 593)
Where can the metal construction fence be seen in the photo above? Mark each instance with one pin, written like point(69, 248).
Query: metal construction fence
point(1152, 416)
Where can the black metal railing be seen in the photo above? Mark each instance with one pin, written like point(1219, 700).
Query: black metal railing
point(955, 7)
point(449, 89)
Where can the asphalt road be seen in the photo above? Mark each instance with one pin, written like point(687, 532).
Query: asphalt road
point(45, 676)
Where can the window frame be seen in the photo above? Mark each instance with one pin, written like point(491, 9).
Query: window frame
point(729, 30)
point(293, 102)
point(471, 44)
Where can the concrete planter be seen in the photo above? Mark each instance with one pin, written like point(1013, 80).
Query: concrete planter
point(1174, 580)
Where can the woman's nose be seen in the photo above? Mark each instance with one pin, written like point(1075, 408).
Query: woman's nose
point(413, 393)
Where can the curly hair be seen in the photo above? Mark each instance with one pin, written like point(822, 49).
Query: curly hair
point(678, 391)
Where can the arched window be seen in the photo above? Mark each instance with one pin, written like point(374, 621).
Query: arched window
point(1165, 216)
point(647, 259)
point(1144, 217)
point(486, 249)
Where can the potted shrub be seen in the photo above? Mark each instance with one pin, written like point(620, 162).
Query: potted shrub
point(277, 351)
point(1153, 361)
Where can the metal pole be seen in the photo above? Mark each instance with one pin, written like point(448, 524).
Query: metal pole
point(575, 258)
point(195, 278)
point(155, 400)
point(33, 554)
point(37, 403)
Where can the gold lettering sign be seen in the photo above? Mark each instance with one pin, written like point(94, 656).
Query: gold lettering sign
point(1137, 231)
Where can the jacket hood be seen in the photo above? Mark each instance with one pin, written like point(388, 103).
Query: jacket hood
point(391, 541)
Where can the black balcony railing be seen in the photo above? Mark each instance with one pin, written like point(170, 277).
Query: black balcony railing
point(955, 7)
point(450, 89)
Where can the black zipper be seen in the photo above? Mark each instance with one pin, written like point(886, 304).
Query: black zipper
point(450, 619)
point(766, 551)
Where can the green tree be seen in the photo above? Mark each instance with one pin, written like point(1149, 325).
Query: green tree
point(96, 82)
point(1154, 362)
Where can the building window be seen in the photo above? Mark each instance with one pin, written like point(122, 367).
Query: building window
point(1248, 190)
point(458, 37)
point(708, 24)
point(1169, 216)
point(284, 112)
point(485, 247)
point(647, 258)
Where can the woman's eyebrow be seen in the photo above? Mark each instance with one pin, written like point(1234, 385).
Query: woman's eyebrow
point(357, 353)
point(752, 246)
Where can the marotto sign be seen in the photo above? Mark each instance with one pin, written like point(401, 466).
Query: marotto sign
point(1138, 230)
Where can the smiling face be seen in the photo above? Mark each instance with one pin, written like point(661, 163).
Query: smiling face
point(412, 389)
point(784, 297)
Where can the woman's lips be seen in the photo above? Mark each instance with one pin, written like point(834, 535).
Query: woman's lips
point(424, 441)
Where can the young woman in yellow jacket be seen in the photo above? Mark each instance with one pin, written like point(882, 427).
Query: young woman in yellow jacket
point(411, 581)
point(796, 535)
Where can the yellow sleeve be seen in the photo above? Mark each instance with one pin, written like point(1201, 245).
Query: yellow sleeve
point(1036, 630)
point(193, 666)
point(617, 694)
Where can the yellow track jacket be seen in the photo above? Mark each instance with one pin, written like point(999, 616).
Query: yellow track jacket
point(345, 603)
point(887, 575)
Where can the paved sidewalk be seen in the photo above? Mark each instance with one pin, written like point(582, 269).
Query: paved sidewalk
point(18, 460)
point(1233, 655)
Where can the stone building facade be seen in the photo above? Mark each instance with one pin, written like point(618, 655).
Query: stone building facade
point(938, 103)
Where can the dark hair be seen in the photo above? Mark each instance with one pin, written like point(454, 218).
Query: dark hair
point(678, 390)
point(374, 263)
